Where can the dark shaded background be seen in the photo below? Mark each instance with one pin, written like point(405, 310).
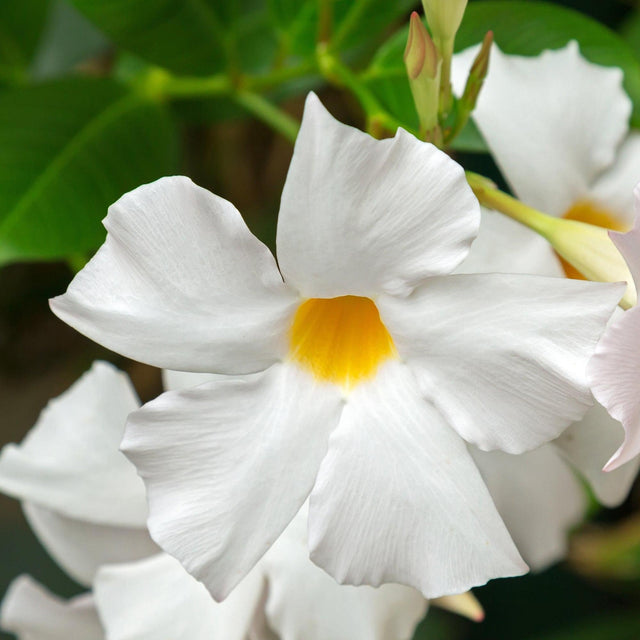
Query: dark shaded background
point(246, 163)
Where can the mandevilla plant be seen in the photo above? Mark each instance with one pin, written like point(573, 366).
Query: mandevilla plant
point(419, 377)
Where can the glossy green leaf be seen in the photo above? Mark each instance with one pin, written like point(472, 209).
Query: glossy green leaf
point(68, 149)
point(21, 24)
point(185, 36)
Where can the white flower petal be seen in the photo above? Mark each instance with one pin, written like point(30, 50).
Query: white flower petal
point(32, 613)
point(305, 603)
point(503, 357)
point(156, 598)
point(228, 464)
point(613, 190)
point(360, 216)
point(69, 461)
point(81, 547)
point(399, 499)
point(537, 496)
point(176, 380)
point(181, 283)
point(614, 373)
point(506, 246)
point(588, 444)
point(629, 243)
point(551, 150)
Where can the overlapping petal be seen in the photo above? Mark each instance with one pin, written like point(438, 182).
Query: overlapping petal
point(513, 373)
point(550, 150)
point(587, 445)
point(32, 613)
point(360, 216)
point(81, 547)
point(613, 190)
point(181, 283)
point(69, 461)
point(228, 464)
point(506, 246)
point(305, 603)
point(156, 598)
point(399, 499)
point(537, 496)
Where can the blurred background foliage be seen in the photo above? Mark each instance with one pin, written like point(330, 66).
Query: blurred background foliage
point(99, 96)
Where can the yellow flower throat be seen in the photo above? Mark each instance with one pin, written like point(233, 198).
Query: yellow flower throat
point(340, 340)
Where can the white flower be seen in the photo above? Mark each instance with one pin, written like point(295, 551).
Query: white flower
point(70, 463)
point(82, 497)
point(614, 370)
point(32, 613)
point(571, 156)
point(355, 380)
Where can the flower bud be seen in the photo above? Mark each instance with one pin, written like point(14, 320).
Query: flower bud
point(464, 604)
point(444, 17)
point(478, 73)
point(420, 54)
point(423, 68)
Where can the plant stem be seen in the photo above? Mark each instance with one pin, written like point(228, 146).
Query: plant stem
point(493, 198)
point(350, 21)
point(266, 111)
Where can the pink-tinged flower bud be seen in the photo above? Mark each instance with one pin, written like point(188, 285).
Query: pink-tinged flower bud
point(444, 17)
point(423, 68)
point(420, 54)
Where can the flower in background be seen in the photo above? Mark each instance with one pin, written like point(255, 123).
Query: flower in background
point(352, 379)
point(573, 156)
point(614, 370)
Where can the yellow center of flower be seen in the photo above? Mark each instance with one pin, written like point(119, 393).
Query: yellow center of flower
point(340, 340)
point(585, 211)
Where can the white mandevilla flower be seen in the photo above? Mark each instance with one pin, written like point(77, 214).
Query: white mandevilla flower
point(352, 379)
point(71, 463)
point(32, 613)
point(573, 156)
point(615, 368)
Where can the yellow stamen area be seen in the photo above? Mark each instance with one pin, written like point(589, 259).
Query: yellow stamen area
point(340, 340)
point(585, 211)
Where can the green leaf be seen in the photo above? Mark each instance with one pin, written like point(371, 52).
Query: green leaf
point(68, 149)
point(527, 28)
point(21, 23)
point(184, 36)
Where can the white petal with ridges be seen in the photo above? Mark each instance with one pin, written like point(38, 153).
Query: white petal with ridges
point(587, 445)
point(502, 357)
point(614, 373)
point(32, 613)
point(70, 462)
point(228, 464)
point(176, 380)
point(360, 216)
point(537, 496)
point(181, 283)
point(506, 246)
point(550, 151)
point(156, 598)
point(613, 190)
point(82, 547)
point(306, 603)
point(399, 499)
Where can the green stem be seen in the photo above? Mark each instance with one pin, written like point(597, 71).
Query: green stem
point(325, 21)
point(271, 115)
point(336, 73)
point(491, 197)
